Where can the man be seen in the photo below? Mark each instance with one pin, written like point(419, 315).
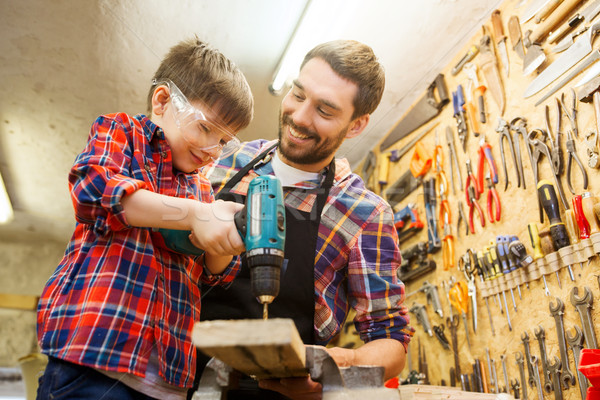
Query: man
point(341, 244)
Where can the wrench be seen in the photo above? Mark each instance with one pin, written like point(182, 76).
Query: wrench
point(493, 367)
point(576, 344)
point(515, 386)
point(525, 341)
point(540, 335)
point(453, 328)
point(505, 373)
point(538, 382)
point(566, 376)
point(554, 370)
point(492, 380)
point(583, 306)
point(519, 358)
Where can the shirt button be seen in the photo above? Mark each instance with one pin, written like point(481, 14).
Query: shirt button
point(147, 167)
point(152, 323)
point(161, 277)
point(164, 154)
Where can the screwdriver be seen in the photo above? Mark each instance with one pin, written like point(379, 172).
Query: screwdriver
point(508, 264)
point(488, 275)
point(517, 258)
point(536, 244)
point(588, 201)
point(493, 259)
point(502, 261)
point(572, 226)
point(582, 222)
point(558, 231)
point(481, 271)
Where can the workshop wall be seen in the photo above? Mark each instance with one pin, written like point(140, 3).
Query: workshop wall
point(519, 207)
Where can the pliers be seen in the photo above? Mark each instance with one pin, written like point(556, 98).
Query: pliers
point(573, 115)
point(461, 218)
point(555, 152)
point(503, 130)
point(471, 181)
point(573, 156)
point(472, 203)
point(447, 245)
point(493, 199)
point(485, 153)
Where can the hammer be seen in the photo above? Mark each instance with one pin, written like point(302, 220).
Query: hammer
point(591, 93)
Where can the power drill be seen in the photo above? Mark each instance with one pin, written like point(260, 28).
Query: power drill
point(261, 224)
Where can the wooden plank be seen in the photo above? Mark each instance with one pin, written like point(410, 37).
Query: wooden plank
point(261, 348)
point(18, 301)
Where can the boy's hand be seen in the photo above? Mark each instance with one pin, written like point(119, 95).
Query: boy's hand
point(215, 232)
point(294, 388)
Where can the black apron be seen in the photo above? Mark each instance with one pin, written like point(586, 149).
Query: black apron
point(296, 298)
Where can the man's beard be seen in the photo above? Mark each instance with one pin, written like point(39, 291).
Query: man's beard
point(321, 150)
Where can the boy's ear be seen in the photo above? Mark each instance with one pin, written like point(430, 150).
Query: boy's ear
point(357, 126)
point(160, 98)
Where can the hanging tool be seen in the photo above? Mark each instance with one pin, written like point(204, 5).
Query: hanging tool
point(582, 222)
point(468, 267)
point(546, 10)
point(384, 170)
point(488, 270)
point(500, 39)
point(591, 149)
point(415, 255)
point(589, 60)
point(422, 318)
point(554, 19)
point(556, 151)
point(514, 260)
point(404, 186)
point(489, 66)
point(588, 200)
point(368, 168)
point(501, 252)
point(519, 126)
point(558, 231)
point(421, 160)
point(573, 156)
point(459, 298)
point(398, 154)
point(534, 55)
point(537, 7)
point(586, 15)
point(572, 116)
point(434, 244)
point(536, 244)
point(478, 90)
point(447, 244)
point(453, 325)
point(471, 111)
point(453, 159)
point(438, 330)
point(562, 64)
point(461, 218)
point(458, 102)
point(470, 54)
point(407, 222)
point(433, 297)
point(492, 257)
point(571, 225)
point(423, 111)
point(494, 213)
point(503, 130)
point(514, 33)
point(473, 205)
point(485, 154)
point(539, 148)
point(518, 250)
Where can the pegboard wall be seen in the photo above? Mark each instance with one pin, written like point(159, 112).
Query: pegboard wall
point(519, 206)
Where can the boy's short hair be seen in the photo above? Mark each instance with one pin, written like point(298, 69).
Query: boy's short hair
point(202, 73)
point(356, 62)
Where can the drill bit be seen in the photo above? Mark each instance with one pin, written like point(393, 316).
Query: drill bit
point(265, 311)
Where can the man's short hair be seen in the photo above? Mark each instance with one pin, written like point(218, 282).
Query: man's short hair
point(357, 63)
point(202, 73)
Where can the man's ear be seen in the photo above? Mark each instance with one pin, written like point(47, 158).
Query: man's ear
point(160, 98)
point(358, 125)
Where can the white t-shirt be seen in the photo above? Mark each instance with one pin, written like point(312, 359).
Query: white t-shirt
point(288, 175)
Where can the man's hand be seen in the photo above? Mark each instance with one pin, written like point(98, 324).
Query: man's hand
point(294, 388)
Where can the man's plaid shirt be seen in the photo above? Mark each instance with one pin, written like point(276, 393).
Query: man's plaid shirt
point(357, 253)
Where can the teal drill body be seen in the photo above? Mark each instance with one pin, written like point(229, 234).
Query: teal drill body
point(261, 224)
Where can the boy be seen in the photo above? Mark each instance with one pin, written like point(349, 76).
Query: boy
point(116, 317)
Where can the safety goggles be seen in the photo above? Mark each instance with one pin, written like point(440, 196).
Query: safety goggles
point(197, 130)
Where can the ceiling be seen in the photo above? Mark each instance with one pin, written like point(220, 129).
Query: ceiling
point(65, 62)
